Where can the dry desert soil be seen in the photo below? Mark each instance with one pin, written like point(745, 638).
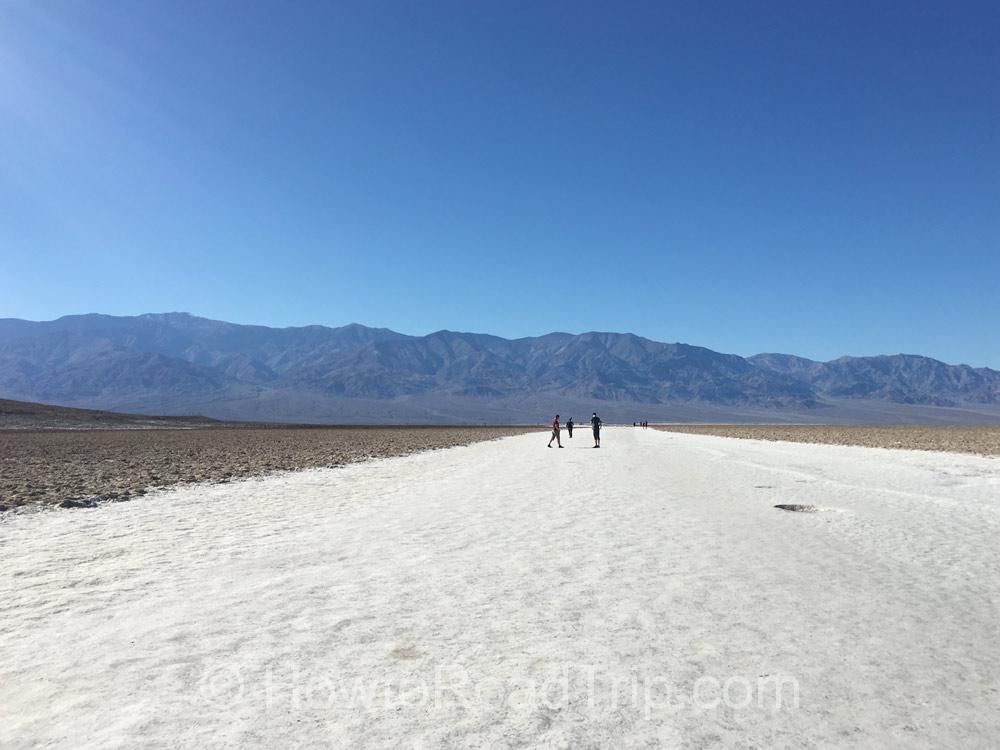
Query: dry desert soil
point(984, 441)
point(50, 466)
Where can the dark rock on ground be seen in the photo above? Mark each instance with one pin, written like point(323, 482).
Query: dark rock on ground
point(71, 503)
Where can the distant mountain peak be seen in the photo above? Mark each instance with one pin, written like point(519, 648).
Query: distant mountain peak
point(174, 360)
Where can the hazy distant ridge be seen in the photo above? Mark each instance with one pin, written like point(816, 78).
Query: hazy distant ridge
point(176, 362)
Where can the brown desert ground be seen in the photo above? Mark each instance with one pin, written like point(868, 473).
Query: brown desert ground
point(50, 466)
point(28, 415)
point(984, 441)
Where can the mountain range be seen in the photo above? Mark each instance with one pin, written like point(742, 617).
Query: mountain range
point(177, 363)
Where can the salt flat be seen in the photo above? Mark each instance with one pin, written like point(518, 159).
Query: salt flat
point(502, 594)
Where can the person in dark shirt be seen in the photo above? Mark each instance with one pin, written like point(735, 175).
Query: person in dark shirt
point(555, 432)
point(569, 427)
point(595, 422)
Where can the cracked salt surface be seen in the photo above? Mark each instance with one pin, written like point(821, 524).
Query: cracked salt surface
point(500, 594)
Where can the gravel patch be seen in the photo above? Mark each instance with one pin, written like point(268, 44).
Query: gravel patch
point(84, 466)
point(984, 441)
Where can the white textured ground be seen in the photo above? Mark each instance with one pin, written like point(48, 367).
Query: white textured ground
point(504, 595)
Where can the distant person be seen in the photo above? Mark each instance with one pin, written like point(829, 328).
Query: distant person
point(595, 422)
point(569, 427)
point(555, 432)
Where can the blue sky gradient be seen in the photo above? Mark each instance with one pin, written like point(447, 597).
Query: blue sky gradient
point(818, 178)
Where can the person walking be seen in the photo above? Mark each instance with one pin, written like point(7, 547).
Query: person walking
point(595, 422)
point(555, 432)
point(569, 427)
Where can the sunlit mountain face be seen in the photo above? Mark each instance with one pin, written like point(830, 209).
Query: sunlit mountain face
point(178, 363)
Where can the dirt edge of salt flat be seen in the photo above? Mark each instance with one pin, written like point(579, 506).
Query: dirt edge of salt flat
point(983, 441)
point(51, 467)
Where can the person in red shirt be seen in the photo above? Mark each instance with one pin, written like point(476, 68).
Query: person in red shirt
point(555, 433)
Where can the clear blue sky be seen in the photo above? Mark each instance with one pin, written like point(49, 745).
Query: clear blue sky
point(820, 178)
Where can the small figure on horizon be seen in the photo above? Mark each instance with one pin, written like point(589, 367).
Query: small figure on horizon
point(555, 433)
point(595, 422)
point(569, 427)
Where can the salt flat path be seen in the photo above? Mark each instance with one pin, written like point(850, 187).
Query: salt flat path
point(646, 594)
